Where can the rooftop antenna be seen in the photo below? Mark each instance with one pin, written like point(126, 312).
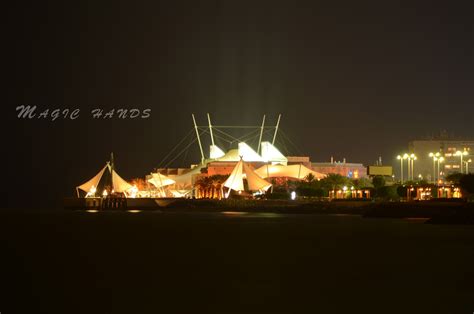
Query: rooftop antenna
point(210, 128)
point(198, 138)
point(261, 134)
point(276, 129)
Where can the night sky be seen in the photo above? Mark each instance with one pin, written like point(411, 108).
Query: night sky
point(350, 80)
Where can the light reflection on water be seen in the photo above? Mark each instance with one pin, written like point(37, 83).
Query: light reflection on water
point(252, 215)
point(231, 213)
point(417, 219)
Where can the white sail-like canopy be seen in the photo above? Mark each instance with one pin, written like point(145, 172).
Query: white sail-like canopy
point(119, 184)
point(243, 171)
point(160, 180)
point(86, 187)
point(272, 154)
point(291, 171)
point(180, 193)
point(247, 153)
point(231, 155)
point(216, 152)
point(235, 180)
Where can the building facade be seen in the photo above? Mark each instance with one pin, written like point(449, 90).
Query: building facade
point(350, 170)
point(426, 167)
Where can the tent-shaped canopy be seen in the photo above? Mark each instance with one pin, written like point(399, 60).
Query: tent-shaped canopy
point(292, 171)
point(86, 187)
point(119, 184)
point(215, 152)
point(243, 171)
point(245, 151)
point(159, 180)
point(231, 155)
point(272, 154)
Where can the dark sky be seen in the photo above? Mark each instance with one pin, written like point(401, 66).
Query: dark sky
point(351, 80)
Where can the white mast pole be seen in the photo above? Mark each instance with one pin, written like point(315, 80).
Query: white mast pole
point(198, 138)
point(112, 166)
point(276, 129)
point(261, 134)
point(210, 128)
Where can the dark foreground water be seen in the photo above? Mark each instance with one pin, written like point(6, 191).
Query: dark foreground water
point(150, 262)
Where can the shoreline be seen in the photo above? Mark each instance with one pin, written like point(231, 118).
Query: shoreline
point(440, 211)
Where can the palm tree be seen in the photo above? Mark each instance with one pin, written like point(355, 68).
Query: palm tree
point(310, 178)
point(203, 184)
point(335, 181)
point(216, 182)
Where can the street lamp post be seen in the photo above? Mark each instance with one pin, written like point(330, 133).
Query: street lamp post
point(467, 165)
point(440, 160)
point(461, 154)
point(413, 166)
point(435, 157)
point(407, 157)
point(411, 160)
point(401, 168)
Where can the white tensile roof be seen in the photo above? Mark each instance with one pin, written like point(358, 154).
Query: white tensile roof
point(245, 151)
point(272, 154)
point(291, 171)
point(159, 180)
point(119, 184)
point(243, 171)
point(215, 152)
point(86, 187)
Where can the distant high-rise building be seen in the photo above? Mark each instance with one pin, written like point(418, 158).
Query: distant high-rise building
point(447, 147)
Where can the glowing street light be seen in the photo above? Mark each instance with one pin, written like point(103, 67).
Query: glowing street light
point(411, 159)
point(460, 153)
point(407, 158)
point(435, 156)
point(439, 160)
point(401, 168)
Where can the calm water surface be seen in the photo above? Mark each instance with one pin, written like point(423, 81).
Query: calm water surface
point(232, 262)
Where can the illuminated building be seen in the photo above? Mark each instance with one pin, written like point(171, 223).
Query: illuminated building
point(447, 147)
point(346, 169)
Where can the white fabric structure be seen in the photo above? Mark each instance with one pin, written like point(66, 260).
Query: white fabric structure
point(292, 171)
point(160, 180)
point(119, 184)
point(231, 155)
point(86, 187)
point(235, 180)
point(180, 193)
point(243, 171)
point(271, 154)
point(247, 153)
point(185, 181)
point(216, 152)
